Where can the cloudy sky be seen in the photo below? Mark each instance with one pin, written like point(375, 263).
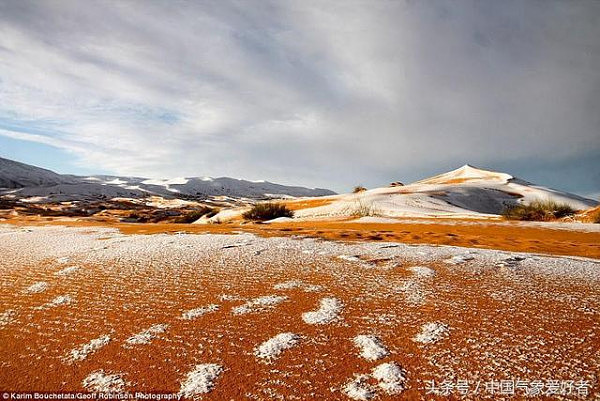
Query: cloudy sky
point(318, 93)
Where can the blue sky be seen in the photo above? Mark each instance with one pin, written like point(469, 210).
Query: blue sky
point(315, 93)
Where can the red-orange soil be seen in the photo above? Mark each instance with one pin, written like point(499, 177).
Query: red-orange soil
point(503, 323)
point(487, 234)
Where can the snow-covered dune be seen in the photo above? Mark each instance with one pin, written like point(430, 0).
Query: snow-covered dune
point(465, 192)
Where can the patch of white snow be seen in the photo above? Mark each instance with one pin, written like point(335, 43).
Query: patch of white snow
point(328, 311)
point(271, 348)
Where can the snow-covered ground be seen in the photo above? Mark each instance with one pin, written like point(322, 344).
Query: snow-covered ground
point(244, 317)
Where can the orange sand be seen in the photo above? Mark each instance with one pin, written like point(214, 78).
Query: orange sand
point(485, 234)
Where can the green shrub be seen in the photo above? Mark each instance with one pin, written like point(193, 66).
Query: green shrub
point(267, 211)
point(538, 211)
point(358, 188)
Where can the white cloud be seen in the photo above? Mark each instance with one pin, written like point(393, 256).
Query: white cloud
point(314, 93)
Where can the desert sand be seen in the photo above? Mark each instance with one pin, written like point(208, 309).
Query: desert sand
point(243, 316)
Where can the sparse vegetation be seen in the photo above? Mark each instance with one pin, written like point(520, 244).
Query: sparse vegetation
point(364, 209)
point(194, 215)
point(267, 211)
point(358, 188)
point(538, 211)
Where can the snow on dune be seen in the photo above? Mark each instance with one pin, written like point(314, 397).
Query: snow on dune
point(461, 258)
point(101, 382)
point(391, 377)
point(273, 347)
point(371, 347)
point(145, 336)
point(81, 353)
point(58, 301)
point(201, 380)
point(259, 304)
point(7, 317)
point(67, 270)
point(38, 287)
point(414, 292)
point(197, 312)
point(297, 284)
point(461, 193)
point(422, 271)
point(328, 311)
point(431, 333)
point(467, 173)
point(359, 389)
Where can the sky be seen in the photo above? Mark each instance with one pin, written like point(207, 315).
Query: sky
point(324, 94)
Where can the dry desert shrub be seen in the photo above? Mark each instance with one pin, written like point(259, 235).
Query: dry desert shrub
point(538, 211)
point(267, 211)
point(194, 215)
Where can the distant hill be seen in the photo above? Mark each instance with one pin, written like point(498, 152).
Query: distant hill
point(25, 181)
point(18, 175)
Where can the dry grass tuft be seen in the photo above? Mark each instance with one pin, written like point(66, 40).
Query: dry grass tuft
point(538, 211)
point(267, 211)
point(194, 215)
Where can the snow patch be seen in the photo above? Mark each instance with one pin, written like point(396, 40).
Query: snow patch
point(85, 350)
point(297, 284)
point(58, 301)
point(271, 348)
point(278, 220)
point(458, 259)
point(166, 183)
point(349, 258)
point(7, 317)
point(328, 311)
point(66, 271)
point(259, 304)
point(391, 377)
point(422, 271)
point(371, 347)
point(432, 332)
point(359, 389)
point(101, 382)
point(288, 285)
point(230, 297)
point(197, 312)
point(38, 287)
point(116, 181)
point(413, 292)
point(312, 288)
point(144, 337)
point(201, 380)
